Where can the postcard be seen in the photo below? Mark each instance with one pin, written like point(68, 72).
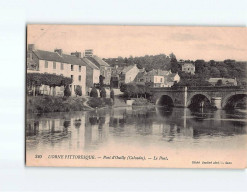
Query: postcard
point(136, 96)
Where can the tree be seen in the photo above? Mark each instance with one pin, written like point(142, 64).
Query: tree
point(67, 91)
point(123, 87)
point(94, 92)
point(101, 81)
point(199, 66)
point(78, 91)
point(37, 79)
point(174, 63)
point(103, 93)
point(215, 72)
point(112, 95)
point(219, 83)
point(139, 66)
point(223, 72)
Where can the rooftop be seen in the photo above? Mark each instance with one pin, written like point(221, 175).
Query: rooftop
point(90, 64)
point(97, 61)
point(125, 69)
point(158, 72)
point(54, 56)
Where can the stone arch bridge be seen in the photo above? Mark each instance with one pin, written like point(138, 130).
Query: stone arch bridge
point(219, 97)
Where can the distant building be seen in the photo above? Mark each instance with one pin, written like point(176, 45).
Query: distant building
point(156, 77)
point(127, 74)
point(105, 69)
point(93, 73)
point(188, 68)
point(140, 77)
point(223, 81)
point(171, 79)
point(58, 63)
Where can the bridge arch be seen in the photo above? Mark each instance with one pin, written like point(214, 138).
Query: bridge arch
point(165, 100)
point(231, 99)
point(196, 98)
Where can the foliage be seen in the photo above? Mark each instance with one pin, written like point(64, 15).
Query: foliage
point(219, 83)
point(51, 80)
point(103, 93)
point(204, 70)
point(78, 91)
point(187, 79)
point(112, 94)
point(140, 102)
point(44, 104)
point(99, 102)
point(174, 63)
point(101, 81)
point(133, 90)
point(148, 62)
point(67, 91)
point(94, 92)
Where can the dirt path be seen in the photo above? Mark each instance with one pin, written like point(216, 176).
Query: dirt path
point(86, 104)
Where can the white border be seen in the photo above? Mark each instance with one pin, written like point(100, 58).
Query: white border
point(15, 14)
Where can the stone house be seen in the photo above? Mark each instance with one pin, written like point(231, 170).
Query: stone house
point(58, 63)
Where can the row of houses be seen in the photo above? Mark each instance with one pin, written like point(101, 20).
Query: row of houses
point(83, 70)
point(154, 78)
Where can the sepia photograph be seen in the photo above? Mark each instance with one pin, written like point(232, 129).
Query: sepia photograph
point(136, 96)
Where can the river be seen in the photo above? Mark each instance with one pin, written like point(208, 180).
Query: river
point(125, 128)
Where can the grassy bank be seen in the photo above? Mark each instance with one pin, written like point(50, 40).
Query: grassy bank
point(141, 102)
point(100, 102)
point(45, 104)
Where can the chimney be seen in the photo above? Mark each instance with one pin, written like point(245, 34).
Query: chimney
point(30, 47)
point(59, 51)
point(77, 54)
point(88, 53)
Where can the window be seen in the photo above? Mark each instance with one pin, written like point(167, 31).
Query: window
point(79, 68)
point(46, 64)
point(54, 65)
point(79, 77)
point(161, 80)
point(72, 77)
point(72, 67)
point(61, 67)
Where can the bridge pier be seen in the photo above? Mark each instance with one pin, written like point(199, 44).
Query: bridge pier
point(216, 102)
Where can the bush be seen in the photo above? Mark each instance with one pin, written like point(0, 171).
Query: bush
point(67, 91)
point(78, 91)
point(112, 94)
point(99, 102)
point(95, 102)
point(44, 104)
point(140, 102)
point(94, 93)
point(103, 93)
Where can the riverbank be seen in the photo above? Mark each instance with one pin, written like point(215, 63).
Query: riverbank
point(45, 104)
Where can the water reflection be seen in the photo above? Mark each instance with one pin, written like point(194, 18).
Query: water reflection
point(89, 131)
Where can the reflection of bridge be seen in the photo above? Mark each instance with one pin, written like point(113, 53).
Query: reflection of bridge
point(219, 97)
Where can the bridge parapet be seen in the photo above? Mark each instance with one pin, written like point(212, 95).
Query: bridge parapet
point(182, 96)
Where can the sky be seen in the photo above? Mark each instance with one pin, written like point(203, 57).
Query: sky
point(186, 42)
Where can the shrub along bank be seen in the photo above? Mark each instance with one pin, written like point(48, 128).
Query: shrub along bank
point(100, 102)
point(44, 104)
